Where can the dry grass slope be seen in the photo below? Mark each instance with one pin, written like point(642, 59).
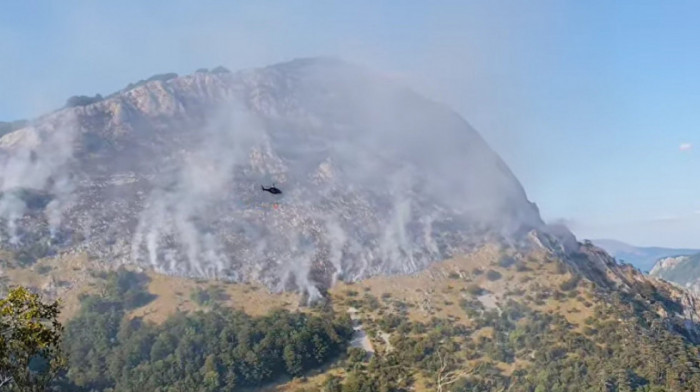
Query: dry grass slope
point(490, 276)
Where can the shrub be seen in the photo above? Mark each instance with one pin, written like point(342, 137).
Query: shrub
point(390, 321)
point(43, 269)
point(128, 287)
point(570, 283)
point(208, 296)
point(162, 77)
point(220, 69)
point(561, 268)
point(371, 301)
point(493, 275)
point(418, 327)
point(506, 262)
point(82, 100)
point(474, 289)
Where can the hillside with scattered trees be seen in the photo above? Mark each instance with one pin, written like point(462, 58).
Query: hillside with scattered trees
point(491, 321)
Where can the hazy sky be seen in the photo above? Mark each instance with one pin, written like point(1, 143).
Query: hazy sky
point(593, 104)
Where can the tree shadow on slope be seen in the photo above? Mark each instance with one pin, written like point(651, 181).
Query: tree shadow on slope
point(128, 287)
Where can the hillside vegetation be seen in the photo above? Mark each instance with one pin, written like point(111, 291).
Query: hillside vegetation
point(495, 320)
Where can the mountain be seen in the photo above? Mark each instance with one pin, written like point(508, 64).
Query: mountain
point(166, 173)
point(643, 258)
point(681, 270)
point(430, 267)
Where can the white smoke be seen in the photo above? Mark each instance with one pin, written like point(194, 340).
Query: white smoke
point(38, 159)
point(63, 191)
point(201, 178)
point(369, 171)
point(337, 239)
point(11, 210)
point(428, 238)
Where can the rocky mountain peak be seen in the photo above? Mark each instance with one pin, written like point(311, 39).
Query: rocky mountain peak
point(376, 178)
point(683, 271)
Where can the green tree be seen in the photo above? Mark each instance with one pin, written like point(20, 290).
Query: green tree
point(332, 384)
point(292, 360)
point(30, 340)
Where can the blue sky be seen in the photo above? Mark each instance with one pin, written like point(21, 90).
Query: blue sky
point(588, 102)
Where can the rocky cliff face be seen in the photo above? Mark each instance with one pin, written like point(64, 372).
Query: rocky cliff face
point(376, 179)
point(643, 258)
point(681, 270)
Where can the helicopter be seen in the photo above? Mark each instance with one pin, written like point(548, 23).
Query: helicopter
point(274, 190)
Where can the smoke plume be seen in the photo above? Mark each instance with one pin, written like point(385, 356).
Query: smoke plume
point(375, 178)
